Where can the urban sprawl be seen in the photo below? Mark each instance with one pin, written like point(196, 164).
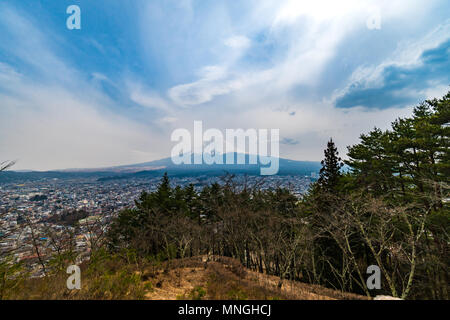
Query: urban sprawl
point(32, 213)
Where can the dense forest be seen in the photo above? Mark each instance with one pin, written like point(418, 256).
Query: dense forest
point(389, 209)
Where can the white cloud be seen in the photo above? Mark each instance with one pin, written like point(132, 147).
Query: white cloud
point(149, 99)
point(214, 80)
point(100, 77)
point(169, 120)
point(53, 118)
point(307, 53)
point(407, 55)
point(318, 10)
point(238, 42)
point(50, 127)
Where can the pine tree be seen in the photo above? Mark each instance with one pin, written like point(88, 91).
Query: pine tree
point(164, 194)
point(164, 187)
point(162, 199)
point(331, 167)
point(373, 160)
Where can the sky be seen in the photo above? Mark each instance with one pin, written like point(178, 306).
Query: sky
point(112, 92)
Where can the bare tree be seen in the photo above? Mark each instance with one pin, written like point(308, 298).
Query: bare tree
point(6, 164)
point(62, 243)
point(36, 246)
point(392, 235)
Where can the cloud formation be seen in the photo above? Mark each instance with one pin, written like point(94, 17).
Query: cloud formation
point(112, 92)
point(400, 85)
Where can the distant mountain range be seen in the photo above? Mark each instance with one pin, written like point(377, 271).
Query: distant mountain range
point(158, 167)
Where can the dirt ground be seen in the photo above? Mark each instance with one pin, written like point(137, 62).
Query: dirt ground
point(227, 279)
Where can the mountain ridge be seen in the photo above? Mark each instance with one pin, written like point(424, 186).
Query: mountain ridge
point(158, 167)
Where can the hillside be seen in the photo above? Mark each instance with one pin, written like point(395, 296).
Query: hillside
point(186, 279)
point(224, 278)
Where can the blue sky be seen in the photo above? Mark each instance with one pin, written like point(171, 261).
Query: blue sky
point(112, 92)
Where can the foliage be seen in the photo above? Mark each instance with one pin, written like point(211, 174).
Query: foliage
point(390, 209)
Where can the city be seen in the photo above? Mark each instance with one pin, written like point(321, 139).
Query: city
point(46, 206)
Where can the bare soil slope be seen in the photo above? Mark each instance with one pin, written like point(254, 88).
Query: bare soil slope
point(225, 278)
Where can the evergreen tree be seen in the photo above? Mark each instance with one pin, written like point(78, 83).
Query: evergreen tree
point(331, 167)
point(372, 161)
point(164, 191)
point(163, 199)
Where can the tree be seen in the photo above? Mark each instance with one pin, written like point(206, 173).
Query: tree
point(371, 161)
point(331, 167)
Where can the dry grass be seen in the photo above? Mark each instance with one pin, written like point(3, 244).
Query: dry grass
point(223, 278)
point(214, 278)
